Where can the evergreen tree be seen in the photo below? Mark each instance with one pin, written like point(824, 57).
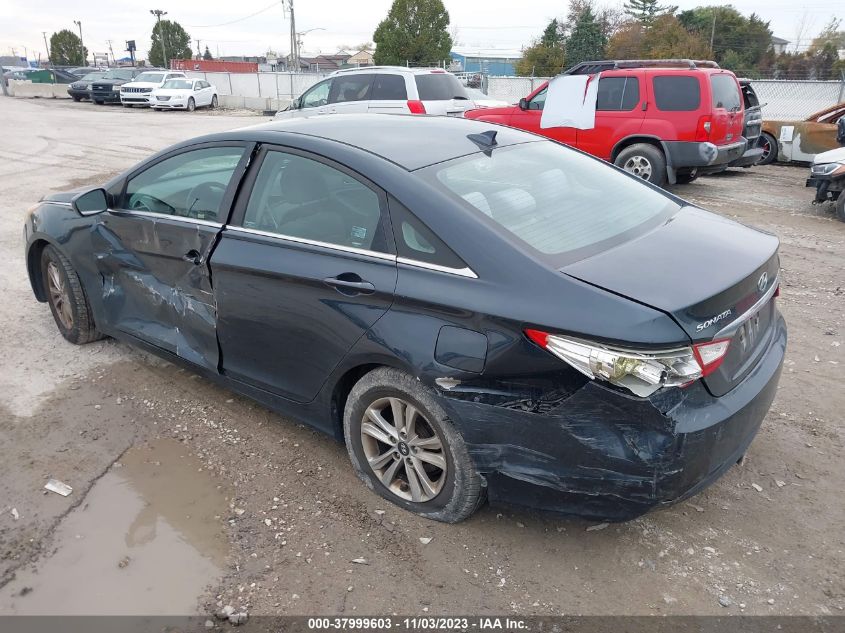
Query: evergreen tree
point(587, 40)
point(66, 49)
point(546, 56)
point(415, 32)
point(207, 54)
point(647, 11)
point(177, 43)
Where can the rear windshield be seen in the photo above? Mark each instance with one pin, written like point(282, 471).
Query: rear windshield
point(152, 78)
point(178, 84)
point(556, 201)
point(439, 87)
point(677, 93)
point(725, 92)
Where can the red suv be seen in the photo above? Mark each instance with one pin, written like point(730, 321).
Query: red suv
point(659, 119)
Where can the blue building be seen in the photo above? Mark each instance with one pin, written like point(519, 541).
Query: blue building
point(490, 61)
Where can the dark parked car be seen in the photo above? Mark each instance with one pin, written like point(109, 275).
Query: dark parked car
point(81, 89)
point(473, 309)
point(752, 126)
point(107, 89)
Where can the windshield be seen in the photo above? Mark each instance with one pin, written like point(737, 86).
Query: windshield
point(556, 201)
point(178, 84)
point(439, 87)
point(153, 78)
point(93, 76)
point(118, 74)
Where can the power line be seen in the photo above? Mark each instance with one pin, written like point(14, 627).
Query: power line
point(247, 17)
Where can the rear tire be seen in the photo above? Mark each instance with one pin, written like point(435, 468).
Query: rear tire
point(684, 178)
point(644, 161)
point(840, 206)
point(770, 149)
point(67, 299)
point(451, 491)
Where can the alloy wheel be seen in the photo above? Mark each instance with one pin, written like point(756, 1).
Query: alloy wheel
point(767, 149)
point(639, 166)
point(403, 449)
point(59, 295)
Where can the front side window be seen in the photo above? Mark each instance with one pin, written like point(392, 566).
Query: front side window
point(618, 94)
point(725, 92)
point(303, 198)
point(677, 93)
point(316, 96)
point(552, 199)
point(539, 100)
point(191, 185)
point(350, 88)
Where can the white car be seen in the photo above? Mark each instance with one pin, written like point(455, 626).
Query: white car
point(184, 94)
point(139, 90)
point(482, 100)
point(384, 89)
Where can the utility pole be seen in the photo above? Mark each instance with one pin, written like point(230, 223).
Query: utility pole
point(158, 13)
point(81, 46)
point(713, 32)
point(294, 48)
point(199, 52)
point(49, 57)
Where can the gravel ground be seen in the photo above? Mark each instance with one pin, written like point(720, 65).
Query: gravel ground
point(292, 519)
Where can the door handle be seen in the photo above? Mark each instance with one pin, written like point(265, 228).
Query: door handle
point(350, 284)
point(192, 256)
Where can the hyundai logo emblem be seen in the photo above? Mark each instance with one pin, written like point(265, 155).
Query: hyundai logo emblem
point(763, 282)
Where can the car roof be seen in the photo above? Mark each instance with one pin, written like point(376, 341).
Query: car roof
point(392, 69)
point(410, 141)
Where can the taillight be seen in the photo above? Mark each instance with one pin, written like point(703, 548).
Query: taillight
point(710, 355)
point(702, 132)
point(416, 107)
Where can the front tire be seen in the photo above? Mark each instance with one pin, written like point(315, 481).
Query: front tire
point(644, 161)
point(67, 299)
point(770, 149)
point(77, 99)
point(404, 448)
point(214, 102)
point(192, 105)
point(840, 206)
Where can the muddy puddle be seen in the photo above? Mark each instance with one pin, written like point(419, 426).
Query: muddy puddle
point(148, 538)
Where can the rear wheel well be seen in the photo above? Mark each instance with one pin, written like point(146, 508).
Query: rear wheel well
point(341, 393)
point(633, 140)
point(33, 267)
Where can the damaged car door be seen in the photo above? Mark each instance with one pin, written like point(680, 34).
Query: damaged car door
point(301, 273)
point(152, 248)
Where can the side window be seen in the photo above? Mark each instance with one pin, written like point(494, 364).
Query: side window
point(618, 94)
point(677, 93)
point(726, 93)
point(390, 88)
point(317, 96)
point(355, 87)
point(191, 185)
point(539, 100)
point(299, 197)
point(415, 241)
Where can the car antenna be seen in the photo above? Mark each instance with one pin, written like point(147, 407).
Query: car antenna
point(487, 140)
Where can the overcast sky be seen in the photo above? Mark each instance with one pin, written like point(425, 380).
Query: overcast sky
point(221, 25)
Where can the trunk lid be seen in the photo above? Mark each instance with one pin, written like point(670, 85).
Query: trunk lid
point(713, 276)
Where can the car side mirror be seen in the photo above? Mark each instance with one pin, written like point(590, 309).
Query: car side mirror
point(523, 104)
point(90, 202)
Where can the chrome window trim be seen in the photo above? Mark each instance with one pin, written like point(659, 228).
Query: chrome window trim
point(731, 328)
point(162, 216)
point(307, 242)
point(462, 272)
point(57, 203)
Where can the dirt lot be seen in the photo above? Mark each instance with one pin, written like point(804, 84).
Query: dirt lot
point(187, 497)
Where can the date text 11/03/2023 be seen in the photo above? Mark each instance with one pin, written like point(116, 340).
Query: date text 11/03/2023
point(432, 623)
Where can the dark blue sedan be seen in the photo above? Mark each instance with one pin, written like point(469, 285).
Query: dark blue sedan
point(476, 311)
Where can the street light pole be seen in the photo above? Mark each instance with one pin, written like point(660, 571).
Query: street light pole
point(158, 13)
point(81, 46)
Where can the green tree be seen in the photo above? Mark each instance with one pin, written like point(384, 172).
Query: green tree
point(545, 56)
point(647, 11)
point(66, 49)
point(748, 37)
point(587, 40)
point(177, 43)
point(414, 32)
point(207, 54)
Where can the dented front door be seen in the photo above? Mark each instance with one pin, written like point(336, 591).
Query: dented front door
point(153, 249)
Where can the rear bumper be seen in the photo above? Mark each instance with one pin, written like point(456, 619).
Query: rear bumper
point(604, 455)
point(750, 156)
point(705, 156)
